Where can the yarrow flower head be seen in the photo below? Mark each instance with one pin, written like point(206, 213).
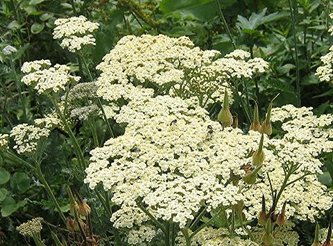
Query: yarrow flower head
point(75, 32)
point(46, 79)
point(31, 228)
point(27, 137)
point(176, 64)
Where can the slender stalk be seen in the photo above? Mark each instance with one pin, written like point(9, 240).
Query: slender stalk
point(99, 103)
point(187, 236)
point(225, 24)
point(155, 221)
point(18, 87)
point(198, 217)
point(293, 15)
point(205, 224)
point(42, 179)
point(74, 141)
point(93, 133)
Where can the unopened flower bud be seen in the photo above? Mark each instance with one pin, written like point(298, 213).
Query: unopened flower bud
point(258, 156)
point(328, 241)
point(83, 208)
point(255, 125)
point(262, 217)
point(266, 126)
point(267, 239)
point(252, 176)
point(73, 226)
point(316, 241)
point(225, 116)
point(281, 218)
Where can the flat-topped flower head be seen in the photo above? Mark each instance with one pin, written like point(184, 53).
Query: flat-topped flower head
point(27, 137)
point(75, 32)
point(47, 79)
point(31, 228)
point(174, 64)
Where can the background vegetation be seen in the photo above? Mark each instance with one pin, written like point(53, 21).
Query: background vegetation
point(290, 34)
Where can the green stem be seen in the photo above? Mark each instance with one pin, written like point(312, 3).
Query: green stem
point(187, 236)
point(293, 14)
point(41, 177)
point(74, 141)
point(225, 24)
point(18, 159)
point(198, 217)
point(155, 221)
point(205, 224)
point(93, 133)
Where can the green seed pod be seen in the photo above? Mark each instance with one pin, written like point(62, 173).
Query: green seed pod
point(255, 125)
point(225, 116)
point(316, 241)
point(267, 239)
point(328, 241)
point(281, 218)
point(258, 156)
point(252, 176)
point(263, 216)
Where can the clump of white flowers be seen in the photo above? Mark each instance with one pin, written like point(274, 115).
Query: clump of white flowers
point(175, 66)
point(283, 235)
point(168, 159)
point(31, 228)
point(4, 141)
point(27, 137)
point(325, 71)
point(46, 79)
point(75, 32)
point(216, 237)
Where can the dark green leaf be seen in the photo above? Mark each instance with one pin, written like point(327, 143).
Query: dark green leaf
point(37, 28)
point(3, 194)
point(9, 206)
point(20, 182)
point(4, 175)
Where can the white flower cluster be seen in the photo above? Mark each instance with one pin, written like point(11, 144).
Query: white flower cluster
point(175, 65)
point(75, 32)
point(50, 121)
point(325, 71)
point(141, 235)
point(31, 227)
point(174, 159)
point(303, 139)
point(283, 235)
point(44, 78)
point(27, 137)
point(4, 141)
point(216, 237)
point(170, 157)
